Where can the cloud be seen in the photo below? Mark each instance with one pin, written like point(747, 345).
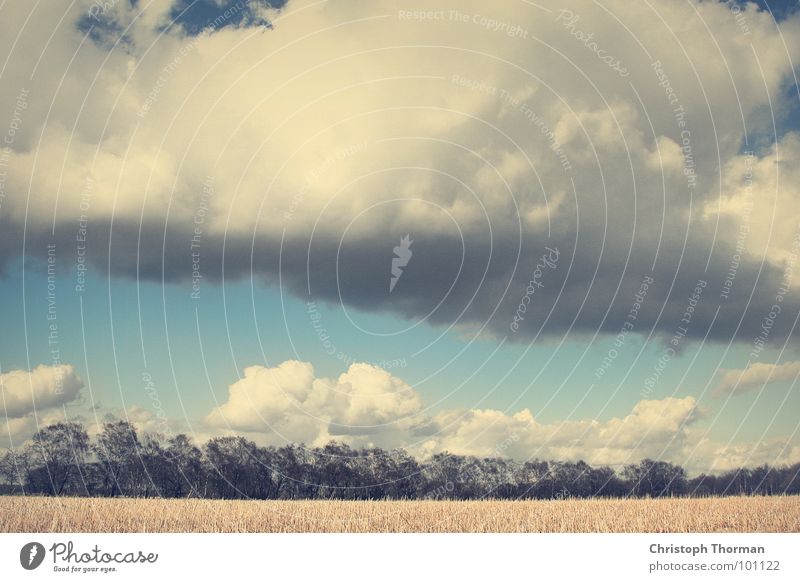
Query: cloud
point(290, 404)
point(33, 399)
point(756, 375)
point(714, 457)
point(15, 432)
point(42, 388)
point(759, 204)
point(152, 420)
point(654, 428)
point(367, 406)
point(350, 125)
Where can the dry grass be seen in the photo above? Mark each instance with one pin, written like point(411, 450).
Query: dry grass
point(731, 514)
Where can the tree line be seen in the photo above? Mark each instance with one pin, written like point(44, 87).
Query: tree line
point(61, 459)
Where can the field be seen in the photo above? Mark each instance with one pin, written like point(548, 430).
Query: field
point(730, 514)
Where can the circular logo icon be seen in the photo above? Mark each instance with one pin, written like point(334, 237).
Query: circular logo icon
point(31, 555)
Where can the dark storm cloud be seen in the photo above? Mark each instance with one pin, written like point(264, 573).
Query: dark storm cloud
point(626, 206)
point(473, 286)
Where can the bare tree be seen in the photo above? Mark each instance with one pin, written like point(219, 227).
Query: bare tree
point(56, 457)
point(118, 451)
point(59, 461)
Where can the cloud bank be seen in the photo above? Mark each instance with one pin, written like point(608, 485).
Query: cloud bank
point(307, 150)
point(367, 406)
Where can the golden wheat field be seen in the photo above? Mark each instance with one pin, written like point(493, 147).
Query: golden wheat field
point(730, 514)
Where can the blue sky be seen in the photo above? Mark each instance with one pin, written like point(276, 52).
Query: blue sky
point(555, 380)
point(538, 161)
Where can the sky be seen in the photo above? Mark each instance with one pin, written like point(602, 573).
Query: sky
point(554, 230)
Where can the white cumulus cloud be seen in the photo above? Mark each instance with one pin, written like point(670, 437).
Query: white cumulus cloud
point(368, 406)
point(291, 403)
point(42, 388)
point(755, 376)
